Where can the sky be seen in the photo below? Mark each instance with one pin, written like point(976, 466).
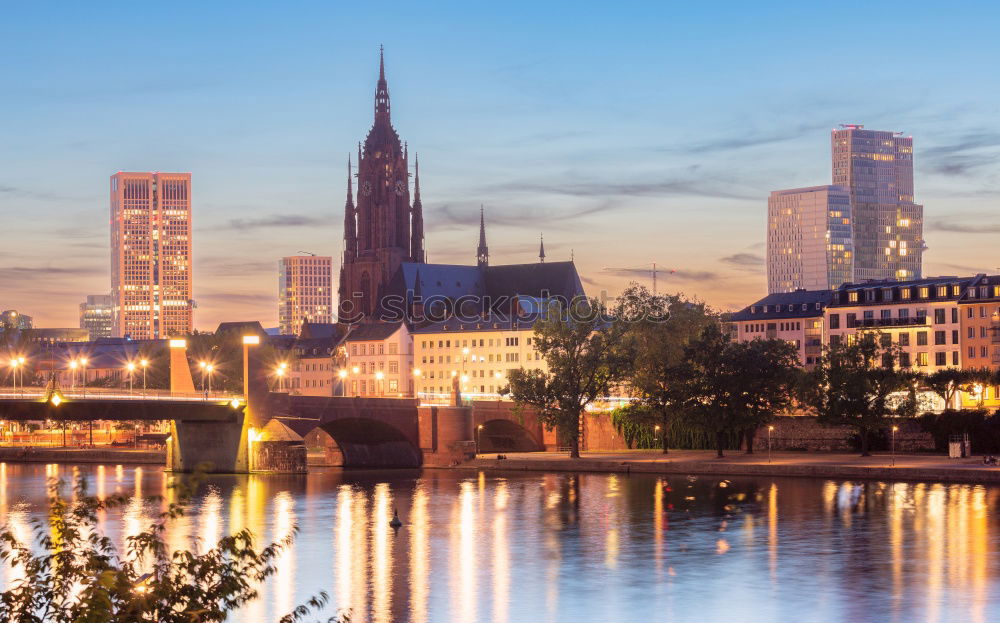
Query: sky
point(628, 133)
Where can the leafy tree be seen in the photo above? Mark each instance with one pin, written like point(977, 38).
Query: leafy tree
point(582, 351)
point(768, 375)
point(656, 329)
point(75, 573)
point(852, 384)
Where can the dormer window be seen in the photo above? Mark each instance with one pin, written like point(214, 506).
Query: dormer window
point(852, 297)
point(870, 295)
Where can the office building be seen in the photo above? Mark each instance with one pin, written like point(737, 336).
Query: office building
point(877, 169)
point(97, 316)
point(151, 287)
point(809, 241)
point(304, 292)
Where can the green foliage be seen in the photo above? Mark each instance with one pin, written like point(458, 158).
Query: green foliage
point(582, 352)
point(637, 424)
point(225, 352)
point(656, 330)
point(982, 427)
point(852, 384)
point(74, 573)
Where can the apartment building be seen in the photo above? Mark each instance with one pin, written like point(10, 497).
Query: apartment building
point(379, 361)
point(797, 317)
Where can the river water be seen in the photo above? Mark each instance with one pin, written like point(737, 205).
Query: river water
point(582, 547)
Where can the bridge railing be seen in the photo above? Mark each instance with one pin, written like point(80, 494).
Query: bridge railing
point(111, 393)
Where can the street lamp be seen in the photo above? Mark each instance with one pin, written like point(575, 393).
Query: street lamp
point(479, 430)
point(893, 449)
point(280, 373)
point(210, 369)
point(770, 429)
point(14, 363)
point(72, 373)
point(656, 431)
point(381, 386)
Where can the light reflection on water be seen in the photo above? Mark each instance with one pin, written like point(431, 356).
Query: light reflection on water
point(549, 547)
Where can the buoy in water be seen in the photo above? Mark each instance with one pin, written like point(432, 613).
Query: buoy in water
point(395, 522)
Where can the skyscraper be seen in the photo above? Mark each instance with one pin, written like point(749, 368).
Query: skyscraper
point(304, 291)
point(877, 169)
point(384, 230)
point(809, 241)
point(97, 316)
point(151, 254)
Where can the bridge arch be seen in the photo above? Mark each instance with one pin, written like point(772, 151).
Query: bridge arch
point(506, 435)
point(367, 442)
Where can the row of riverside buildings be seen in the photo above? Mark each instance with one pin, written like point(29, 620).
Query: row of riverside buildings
point(937, 322)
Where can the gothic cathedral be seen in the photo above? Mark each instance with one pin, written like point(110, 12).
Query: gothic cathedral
point(384, 229)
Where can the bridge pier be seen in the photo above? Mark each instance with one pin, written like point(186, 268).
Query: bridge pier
point(214, 447)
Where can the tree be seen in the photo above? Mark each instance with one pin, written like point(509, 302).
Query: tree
point(75, 573)
point(852, 384)
point(581, 348)
point(656, 329)
point(769, 374)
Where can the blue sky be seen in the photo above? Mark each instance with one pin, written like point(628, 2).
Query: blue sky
point(627, 132)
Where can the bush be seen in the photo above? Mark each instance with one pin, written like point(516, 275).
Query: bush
point(982, 427)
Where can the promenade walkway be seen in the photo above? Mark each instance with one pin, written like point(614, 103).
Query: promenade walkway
point(923, 467)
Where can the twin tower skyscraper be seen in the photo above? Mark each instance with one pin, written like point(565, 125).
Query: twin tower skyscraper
point(864, 226)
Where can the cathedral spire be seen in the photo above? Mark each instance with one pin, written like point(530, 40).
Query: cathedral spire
point(541, 248)
point(381, 91)
point(483, 252)
point(417, 217)
point(350, 231)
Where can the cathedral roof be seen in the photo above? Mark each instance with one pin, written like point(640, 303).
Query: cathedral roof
point(535, 280)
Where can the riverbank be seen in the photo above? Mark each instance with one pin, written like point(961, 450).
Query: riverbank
point(935, 468)
point(83, 455)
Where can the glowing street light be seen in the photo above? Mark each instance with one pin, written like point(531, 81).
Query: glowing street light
point(893, 450)
point(73, 364)
point(130, 367)
point(479, 430)
point(83, 374)
point(381, 386)
point(280, 373)
point(656, 433)
point(770, 429)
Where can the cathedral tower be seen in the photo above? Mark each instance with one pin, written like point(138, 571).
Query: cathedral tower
point(378, 235)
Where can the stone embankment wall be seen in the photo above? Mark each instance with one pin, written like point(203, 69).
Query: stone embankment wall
point(278, 456)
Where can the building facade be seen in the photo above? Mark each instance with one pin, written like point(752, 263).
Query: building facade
point(151, 252)
point(305, 292)
point(877, 169)
point(797, 317)
point(475, 357)
point(97, 316)
point(809, 239)
point(379, 360)
point(384, 229)
point(14, 320)
point(920, 317)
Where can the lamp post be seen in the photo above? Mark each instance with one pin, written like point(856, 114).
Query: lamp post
point(381, 385)
point(893, 448)
point(280, 372)
point(72, 374)
point(656, 432)
point(479, 430)
point(770, 429)
point(209, 369)
point(20, 361)
point(13, 371)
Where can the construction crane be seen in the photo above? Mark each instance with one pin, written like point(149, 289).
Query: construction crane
point(653, 272)
point(307, 253)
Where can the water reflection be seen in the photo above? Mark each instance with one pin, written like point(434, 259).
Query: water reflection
point(523, 547)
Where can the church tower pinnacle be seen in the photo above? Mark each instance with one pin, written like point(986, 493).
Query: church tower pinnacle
point(541, 248)
point(417, 218)
point(483, 252)
point(382, 228)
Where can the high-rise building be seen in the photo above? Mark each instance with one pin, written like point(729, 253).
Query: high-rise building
point(97, 316)
point(809, 244)
point(305, 292)
point(877, 168)
point(151, 254)
point(385, 229)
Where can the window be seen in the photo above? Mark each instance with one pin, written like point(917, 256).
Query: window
point(886, 339)
point(393, 385)
point(982, 351)
point(921, 338)
point(940, 338)
point(939, 316)
point(942, 291)
point(968, 312)
point(940, 359)
point(886, 314)
point(982, 331)
point(904, 294)
point(834, 321)
point(393, 348)
point(852, 321)
point(922, 359)
point(954, 336)
point(393, 367)
point(954, 314)
point(852, 297)
point(904, 360)
point(954, 357)
point(904, 313)
point(972, 352)
point(923, 292)
point(904, 339)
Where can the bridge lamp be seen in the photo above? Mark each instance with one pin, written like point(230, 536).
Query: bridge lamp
point(83, 366)
point(280, 372)
point(131, 368)
point(55, 400)
point(235, 403)
point(144, 363)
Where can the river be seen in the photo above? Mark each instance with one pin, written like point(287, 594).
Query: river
point(529, 547)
